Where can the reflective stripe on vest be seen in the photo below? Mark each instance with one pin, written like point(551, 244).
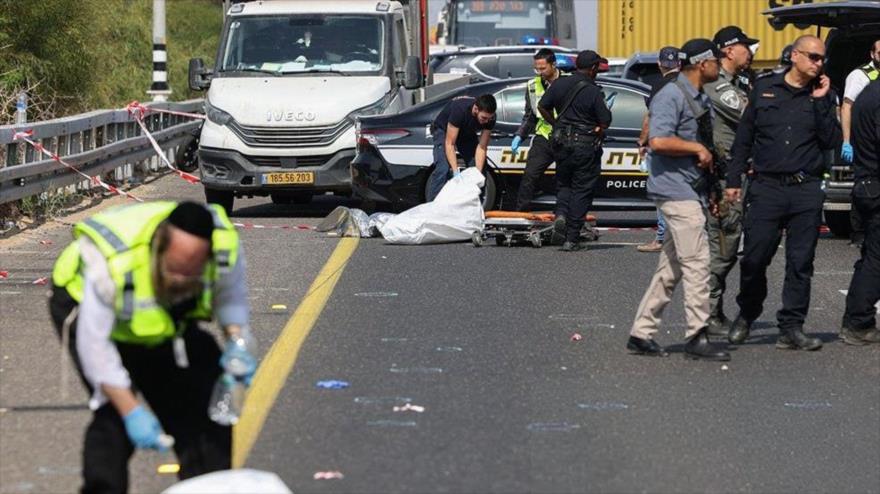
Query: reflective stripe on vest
point(871, 71)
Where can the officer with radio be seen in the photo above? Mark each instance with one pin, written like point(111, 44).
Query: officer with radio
point(575, 107)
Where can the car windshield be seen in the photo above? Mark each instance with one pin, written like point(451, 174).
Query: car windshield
point(299, 43)
point(500, 23)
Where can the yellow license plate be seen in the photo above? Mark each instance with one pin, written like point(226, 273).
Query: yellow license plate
point(289, 178)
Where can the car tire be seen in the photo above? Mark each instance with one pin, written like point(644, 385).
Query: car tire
point(223, 198)
point(838, 222)
point(187, 156)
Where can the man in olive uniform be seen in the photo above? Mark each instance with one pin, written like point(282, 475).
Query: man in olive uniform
point(729, 102)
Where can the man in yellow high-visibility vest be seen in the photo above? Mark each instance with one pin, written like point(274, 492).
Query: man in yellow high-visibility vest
point(128, 294)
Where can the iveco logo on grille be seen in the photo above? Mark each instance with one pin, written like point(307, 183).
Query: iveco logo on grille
point(290, 116)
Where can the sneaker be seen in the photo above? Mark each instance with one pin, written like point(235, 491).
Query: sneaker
point(653, 246)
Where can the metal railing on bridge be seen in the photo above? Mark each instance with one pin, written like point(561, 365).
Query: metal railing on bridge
point(97, 143)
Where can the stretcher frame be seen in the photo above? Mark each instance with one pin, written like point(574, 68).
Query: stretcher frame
point(510, 227)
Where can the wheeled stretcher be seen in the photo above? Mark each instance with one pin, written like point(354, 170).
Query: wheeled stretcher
point(511, 227)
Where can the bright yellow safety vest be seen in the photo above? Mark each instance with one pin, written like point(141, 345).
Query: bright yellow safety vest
point(123, 236)
point(535, 87)
point(871, 71)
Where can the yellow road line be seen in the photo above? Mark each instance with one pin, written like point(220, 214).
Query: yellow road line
point(278, 362)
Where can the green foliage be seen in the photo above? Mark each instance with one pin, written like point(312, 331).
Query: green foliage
point(89, 54)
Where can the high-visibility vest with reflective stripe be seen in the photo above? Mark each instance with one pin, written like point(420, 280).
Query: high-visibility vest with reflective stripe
point(123, 235)
point(535, 87)
point(871, 71)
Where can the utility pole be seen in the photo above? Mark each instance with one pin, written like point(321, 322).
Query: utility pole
point(159, 90)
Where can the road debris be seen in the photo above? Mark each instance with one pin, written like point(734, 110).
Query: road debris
point(168, 468)
point(332, 384)
point(4, 274)
point(576, 337)
point(328, 475)
point(279, 307)
point(409, 407)
point(40, 281)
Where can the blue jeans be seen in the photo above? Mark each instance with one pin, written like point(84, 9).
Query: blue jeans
point(661, 226)
point(442, 171)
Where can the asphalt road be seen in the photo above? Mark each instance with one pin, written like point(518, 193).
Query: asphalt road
point(481, 338)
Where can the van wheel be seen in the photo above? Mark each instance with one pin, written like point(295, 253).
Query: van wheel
point(838, 222)
point(223, 198)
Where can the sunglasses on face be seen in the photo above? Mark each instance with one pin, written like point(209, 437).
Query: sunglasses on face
point(814, 57)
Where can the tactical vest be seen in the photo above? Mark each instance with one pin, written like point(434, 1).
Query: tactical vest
point(536, 90)
point(123, 235)
point(871, 71)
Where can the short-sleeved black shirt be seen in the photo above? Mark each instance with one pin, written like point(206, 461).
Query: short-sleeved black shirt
point(458, 112)
point(587, 110)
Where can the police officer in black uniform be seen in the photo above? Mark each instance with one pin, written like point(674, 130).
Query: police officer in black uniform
point(576, 141)
point(859, 320)
point(789, 123)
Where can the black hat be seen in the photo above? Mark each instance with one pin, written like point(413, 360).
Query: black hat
point(668, 57)
point(731, 35)
point(785, 57)
point(193, 218)
point(589, 58)
point(698, 50)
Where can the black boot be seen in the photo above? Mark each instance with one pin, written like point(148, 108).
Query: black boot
point(700, 348)
point(739, 330)
point(557, 237)
point(718, 325)
point(571, 246)
point(859, 337)
point(649, 348)
point(795, 339)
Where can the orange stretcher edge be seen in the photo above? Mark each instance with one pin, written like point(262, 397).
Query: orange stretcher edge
point(546, 216)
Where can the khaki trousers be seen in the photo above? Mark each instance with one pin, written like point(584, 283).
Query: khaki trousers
point(685, 258)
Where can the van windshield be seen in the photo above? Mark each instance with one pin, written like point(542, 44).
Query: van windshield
point(304, 43)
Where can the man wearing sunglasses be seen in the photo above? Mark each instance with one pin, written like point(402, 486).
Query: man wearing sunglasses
point(788, 125)
point(540, 155)
point(127, 297)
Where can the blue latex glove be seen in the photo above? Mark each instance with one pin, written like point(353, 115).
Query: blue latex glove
point(143, 429)
point(846, 152)
point(456, 173)
point(238, 361)
point(514, 146)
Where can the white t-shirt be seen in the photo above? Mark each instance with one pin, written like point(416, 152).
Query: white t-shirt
point(856, 81)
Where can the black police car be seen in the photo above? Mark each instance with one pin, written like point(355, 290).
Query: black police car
point(395, 152)
point(854, 26)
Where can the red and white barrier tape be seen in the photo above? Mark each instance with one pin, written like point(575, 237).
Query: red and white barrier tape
point(26, 137)
point(137, 111)
point(143, 110)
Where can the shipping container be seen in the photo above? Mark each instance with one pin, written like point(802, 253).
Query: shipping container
point(628, 26)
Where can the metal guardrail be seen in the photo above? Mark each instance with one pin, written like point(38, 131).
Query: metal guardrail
point(97, 143)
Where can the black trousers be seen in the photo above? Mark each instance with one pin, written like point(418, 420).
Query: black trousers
point(577, 172)
point(772, 208)
point(178, 396)
point(540, 158)
point(864, 289)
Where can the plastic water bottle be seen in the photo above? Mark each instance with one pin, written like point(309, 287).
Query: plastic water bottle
point(21, 109)
point(226, 400)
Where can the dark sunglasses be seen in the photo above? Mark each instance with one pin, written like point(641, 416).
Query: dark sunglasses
point(814, 57)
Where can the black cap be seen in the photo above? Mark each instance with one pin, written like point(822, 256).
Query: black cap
point(731, 35)
point(589, 58)
point(193, 218)
point(668, 57)
point(785, 57)
point(698, 50)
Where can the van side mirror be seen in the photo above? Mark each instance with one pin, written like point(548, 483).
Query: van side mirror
point(199, 76)
point(412, 73)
